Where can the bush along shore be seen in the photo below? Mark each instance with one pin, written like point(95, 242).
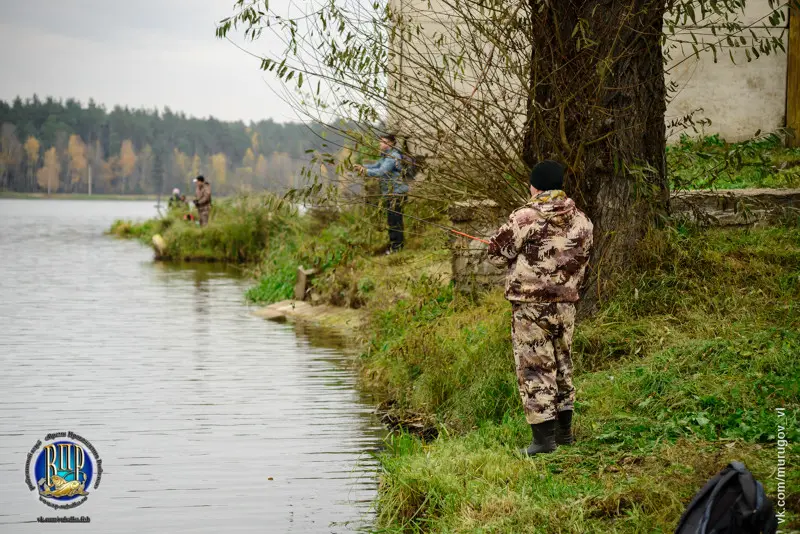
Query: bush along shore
point(692, 363)
point(241, 231)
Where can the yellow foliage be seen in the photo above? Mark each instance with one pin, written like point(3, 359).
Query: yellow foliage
point(181, 163)
point(255, 142)
point(261, 167)
point(47, 176)
point(219, 168)
point(194, 171)
point(127, 158)
point(249, 159)
point(32, 150)
point(77, 158)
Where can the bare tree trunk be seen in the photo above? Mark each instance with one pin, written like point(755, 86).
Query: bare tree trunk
point(598, 105)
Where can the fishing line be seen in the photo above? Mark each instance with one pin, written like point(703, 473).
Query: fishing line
point(437, 225)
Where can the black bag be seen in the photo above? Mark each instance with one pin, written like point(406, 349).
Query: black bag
point(732, 502)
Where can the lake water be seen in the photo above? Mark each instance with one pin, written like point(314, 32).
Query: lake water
point(191, 402)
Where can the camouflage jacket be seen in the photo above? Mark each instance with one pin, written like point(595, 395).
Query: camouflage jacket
point(202, 195)
point(545, 246)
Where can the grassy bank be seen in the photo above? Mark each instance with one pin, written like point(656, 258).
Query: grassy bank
point(680, 373)
point(242, 229)
point(269, 235)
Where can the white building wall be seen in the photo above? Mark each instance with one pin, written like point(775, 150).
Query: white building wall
point(740, 98)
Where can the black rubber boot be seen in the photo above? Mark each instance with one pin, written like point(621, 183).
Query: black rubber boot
point(544, 439)
point(564, 429)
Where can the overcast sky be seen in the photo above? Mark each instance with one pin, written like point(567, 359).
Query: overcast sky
point(137, 53)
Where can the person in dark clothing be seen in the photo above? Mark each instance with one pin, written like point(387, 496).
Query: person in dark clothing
point(394, 191)
point(394, 215)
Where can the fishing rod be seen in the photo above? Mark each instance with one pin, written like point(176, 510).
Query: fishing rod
point(440, 226)
point(445, 228)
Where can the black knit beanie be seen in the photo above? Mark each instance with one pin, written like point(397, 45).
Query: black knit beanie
point(547, 175)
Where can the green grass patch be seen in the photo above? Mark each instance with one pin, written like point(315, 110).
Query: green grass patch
point(711, 162)
point(142, 230)
point(345, 249)
point(476, 483)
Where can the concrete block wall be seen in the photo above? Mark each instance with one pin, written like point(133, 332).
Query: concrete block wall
point(471, 268)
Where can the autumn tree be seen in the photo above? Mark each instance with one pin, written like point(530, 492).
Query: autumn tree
point(127, 162)
point(261, 169)
point(48, 175)
point(77, 161)
point(61, 144)
point(249, 159)
point(255, 141)
point(245, 173)
point(180, 166)
point(219, 169)
point(144, 164)
point(32, 157)
point(196, 169)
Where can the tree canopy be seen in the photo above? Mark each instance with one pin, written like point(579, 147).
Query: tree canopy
point(52, 145)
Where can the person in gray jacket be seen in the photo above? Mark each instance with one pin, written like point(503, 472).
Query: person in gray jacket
point(394, 191)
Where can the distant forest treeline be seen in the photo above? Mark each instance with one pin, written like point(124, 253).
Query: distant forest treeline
point(53, 146)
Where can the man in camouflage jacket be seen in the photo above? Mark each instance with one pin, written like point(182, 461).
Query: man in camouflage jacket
point(202, 199)
point(545, 246)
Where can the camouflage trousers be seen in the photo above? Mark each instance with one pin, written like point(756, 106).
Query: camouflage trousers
point(202, 213)
point(541, 335)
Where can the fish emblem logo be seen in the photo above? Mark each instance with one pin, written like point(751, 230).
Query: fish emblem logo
point(65, 467)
